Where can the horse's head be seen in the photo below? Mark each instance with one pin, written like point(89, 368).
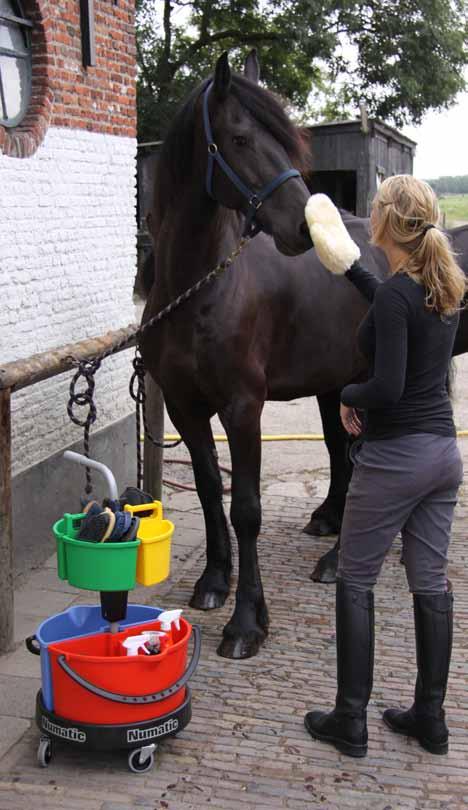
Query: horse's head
point(253, 149)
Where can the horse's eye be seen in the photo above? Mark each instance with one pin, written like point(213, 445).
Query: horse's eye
point(239, 140)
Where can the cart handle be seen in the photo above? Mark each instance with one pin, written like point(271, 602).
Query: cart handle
point(31, 642)
point(155, 697)
point(96, 465)
point(154, 509)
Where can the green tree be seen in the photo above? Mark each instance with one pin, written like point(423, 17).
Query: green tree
point(399, 57)
point(457, 184)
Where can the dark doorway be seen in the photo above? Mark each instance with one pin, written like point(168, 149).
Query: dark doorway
point(339, 186)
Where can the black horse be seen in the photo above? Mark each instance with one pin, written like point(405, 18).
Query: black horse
point(276, 326)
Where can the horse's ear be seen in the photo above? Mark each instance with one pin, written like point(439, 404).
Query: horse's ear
point(222, 77)
point(252, 67)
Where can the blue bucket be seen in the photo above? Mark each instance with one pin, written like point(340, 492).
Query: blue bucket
point(75, 622)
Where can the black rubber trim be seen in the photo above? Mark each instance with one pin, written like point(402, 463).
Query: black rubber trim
point(136, 700)
point(110, 737)
point(30, 642)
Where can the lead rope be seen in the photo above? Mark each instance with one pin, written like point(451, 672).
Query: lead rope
point(137, 390)
point(86, 371)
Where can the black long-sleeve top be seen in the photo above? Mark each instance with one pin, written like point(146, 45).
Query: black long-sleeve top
point(409, 348)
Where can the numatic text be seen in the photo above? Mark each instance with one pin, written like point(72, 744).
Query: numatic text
point(60, 731)
point(141, 734)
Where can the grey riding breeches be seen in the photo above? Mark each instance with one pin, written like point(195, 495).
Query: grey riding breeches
point(406, 484)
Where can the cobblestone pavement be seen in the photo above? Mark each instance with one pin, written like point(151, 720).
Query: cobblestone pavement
point(246, 746)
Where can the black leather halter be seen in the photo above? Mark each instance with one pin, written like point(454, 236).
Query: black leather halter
point(255, 198)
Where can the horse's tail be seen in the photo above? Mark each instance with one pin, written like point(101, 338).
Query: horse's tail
point(145, 276)
point(146, 266)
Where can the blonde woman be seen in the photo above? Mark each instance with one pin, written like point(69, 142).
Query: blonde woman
point(408, 468)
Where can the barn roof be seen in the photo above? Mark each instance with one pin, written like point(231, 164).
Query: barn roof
point(374, 127)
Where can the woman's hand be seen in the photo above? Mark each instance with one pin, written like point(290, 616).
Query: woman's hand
point(350, 420)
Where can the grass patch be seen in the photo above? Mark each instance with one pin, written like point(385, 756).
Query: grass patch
point(455, 208)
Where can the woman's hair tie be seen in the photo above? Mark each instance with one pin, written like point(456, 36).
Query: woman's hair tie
point(427, 228)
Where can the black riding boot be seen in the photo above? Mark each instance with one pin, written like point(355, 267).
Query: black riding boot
point(433, 622)
point(346, 726)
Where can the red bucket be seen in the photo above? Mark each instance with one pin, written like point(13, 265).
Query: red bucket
point(94, 681)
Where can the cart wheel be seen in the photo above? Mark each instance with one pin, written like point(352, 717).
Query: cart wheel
point(140, 761)
point(44, 752)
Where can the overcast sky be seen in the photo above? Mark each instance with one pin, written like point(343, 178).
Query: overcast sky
point(442, 142)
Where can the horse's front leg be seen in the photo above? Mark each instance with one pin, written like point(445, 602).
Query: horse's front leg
point(328, 516)
point(212, 589)
point(248, 626)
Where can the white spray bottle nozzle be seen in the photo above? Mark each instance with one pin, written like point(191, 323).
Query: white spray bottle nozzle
point(153, 634)
point(168, 617)
point(135, 643)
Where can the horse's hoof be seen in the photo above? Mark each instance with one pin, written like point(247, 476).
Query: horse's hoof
point(207, 600)
point(321, 527)
point(325, 570)
point(241, 646)
point(211, 590)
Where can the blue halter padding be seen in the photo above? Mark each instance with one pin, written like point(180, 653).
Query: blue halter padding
point(255, 198)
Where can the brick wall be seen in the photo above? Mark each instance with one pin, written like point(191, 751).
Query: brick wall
point(101, 98)
point(66, 94)
point(67, 217)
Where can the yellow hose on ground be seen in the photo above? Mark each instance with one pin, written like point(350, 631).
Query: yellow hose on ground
point(293, 437)
point(280, 437)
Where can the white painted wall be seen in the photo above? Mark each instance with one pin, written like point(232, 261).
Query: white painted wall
point(67, 268)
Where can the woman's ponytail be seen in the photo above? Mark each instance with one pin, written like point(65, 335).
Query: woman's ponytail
point(434, 262)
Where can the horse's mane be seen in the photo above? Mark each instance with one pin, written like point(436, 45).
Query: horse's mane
point(269, 111)
point(176, 157)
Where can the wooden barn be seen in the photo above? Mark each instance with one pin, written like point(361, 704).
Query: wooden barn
point(351, 158)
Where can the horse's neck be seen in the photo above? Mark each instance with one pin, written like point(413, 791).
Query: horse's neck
point(192, 240)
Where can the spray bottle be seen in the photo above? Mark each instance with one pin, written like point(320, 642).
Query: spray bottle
point(148, 642)
point(133, 645)
point(167, 618)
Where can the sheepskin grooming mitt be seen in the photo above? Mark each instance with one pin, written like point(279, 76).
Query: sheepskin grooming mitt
point(335, 248)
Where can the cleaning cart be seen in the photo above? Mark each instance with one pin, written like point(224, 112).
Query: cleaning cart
point(114, 676)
